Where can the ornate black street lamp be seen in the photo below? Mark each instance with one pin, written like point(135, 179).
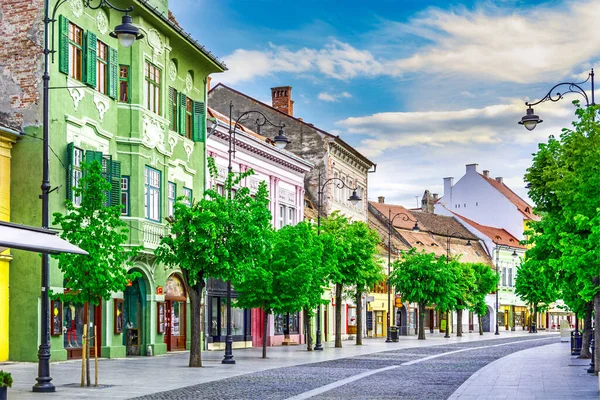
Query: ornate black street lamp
point(497, 248)
point(530, 120)
point(127, 33)
point(448, 236)
point(354, 198)
point(415, 228)
point(280, 141)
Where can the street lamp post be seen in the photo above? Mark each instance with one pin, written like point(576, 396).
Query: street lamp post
point(530, 120)
point(448, 235)
point(354, 198)
point(127, 33)
point(497, 248)
point(280, 141)
point(415, 228)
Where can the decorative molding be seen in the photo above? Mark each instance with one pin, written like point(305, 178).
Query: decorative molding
point(153, 132)
point(189, 82)
point(173, 141)
point(286, 196)
point(77, 95)
point(90, 122)
point(172, 70)
point(76, 7)
point(102, 104)
point(222, 172)
point(155, 42)
point(189, 149)
point(102, 22)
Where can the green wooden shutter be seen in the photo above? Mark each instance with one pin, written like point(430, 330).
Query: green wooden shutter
point(199, 128)
point(182, 99)
point(91, 156)
point(113, 73)
point(115, 181)
point(63, 45)
point(70, 167)
point(90, 59)
point(172, 102)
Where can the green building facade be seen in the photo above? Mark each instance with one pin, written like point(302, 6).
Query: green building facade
point(141, 110)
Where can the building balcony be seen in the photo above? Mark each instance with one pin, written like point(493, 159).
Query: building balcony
point(143, 232)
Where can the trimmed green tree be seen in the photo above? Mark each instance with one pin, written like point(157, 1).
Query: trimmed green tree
point(486, 281)
point(96, 228)
point(465, 288)
point(424, 279)
point(219, 236)
point(280, 281)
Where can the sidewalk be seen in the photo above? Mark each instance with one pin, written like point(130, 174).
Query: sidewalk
point(136, 376)
point(547, 372)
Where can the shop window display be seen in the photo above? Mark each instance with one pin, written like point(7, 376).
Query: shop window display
point(74, 320)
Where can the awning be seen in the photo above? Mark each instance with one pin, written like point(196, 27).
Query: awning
point(39, 240)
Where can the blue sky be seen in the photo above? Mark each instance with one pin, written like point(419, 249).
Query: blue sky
point(420, 87)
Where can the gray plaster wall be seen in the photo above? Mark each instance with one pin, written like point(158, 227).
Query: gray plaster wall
point(305, 141)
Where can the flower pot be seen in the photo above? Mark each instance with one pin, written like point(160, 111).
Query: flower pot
point(3, 390)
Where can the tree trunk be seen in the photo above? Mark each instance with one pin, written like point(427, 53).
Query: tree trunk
point(422, 321)
point(459, 330)
point(535, 311)
point(587, 325)
point(88, 378)
point(195, 294)
point(265, 330)
point(480, 326)
point(597, 327)
point(308, 330)
point(338, 315)
point(359, 331)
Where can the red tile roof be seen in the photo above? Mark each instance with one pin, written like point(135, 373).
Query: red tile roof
point(499, 235)
point(402, 221)
point(514, 198)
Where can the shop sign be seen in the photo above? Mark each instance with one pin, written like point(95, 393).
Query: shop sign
point(159, 290)
point(398, 302)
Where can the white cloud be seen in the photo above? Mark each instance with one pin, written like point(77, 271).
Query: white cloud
point(532, 44)
point(388, 131)
point(333, 97)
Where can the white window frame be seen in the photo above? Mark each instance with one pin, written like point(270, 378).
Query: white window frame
point(152, 189)
point(187, 192)
point(171, 196)
point(78, 155)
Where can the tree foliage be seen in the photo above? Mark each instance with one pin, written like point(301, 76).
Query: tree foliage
point(96, 228)
point(486, 281)
point(218, 236)
point(422, 278)
point(564, 183)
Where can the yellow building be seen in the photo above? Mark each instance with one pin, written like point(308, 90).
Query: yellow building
point(7, 138)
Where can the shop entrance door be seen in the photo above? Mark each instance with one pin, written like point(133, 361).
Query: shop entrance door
point(133, 337)
point(175, 314)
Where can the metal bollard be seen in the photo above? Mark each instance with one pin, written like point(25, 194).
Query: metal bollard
point(591, 368)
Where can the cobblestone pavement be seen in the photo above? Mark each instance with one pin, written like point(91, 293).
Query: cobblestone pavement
point(414, 373)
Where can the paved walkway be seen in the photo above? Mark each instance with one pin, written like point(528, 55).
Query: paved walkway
point(547, 372)
point(130, 377)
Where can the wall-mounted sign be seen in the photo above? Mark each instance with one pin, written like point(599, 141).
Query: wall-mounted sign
point(159, 290)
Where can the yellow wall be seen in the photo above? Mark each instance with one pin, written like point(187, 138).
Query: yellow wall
point(5, 257)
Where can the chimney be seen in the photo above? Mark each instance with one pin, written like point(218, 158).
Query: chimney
point(381, 199)
point(427, 202)
point(448, 183)
point(472, 167)
point(208, 79)
point(435, 197)
point(500, 179)
point(486, 173)
point(281, 99)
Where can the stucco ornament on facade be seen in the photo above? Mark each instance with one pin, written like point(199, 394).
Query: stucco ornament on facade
point(189, 149)
point(76, 7)
point(153, 133)
point(172, 70)
point(102, 105)
point(76, 94)
point(172, 142)
point(189, 82)
point(102, 22)
point(155, 42)
point(286, 195)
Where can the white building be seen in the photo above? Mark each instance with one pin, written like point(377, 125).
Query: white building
point(486, 200)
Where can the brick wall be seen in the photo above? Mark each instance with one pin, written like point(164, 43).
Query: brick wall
point(21, 39)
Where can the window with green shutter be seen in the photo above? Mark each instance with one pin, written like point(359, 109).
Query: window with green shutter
point(74, 172)
point(113, 73)
point(199, 134)
point(115, 182)
point(182, 114)
point(63, 44)
point(91, 43)
point(173, 108)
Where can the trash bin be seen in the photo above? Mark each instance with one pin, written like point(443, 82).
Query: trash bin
point(394, 333)
point(575, 343)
